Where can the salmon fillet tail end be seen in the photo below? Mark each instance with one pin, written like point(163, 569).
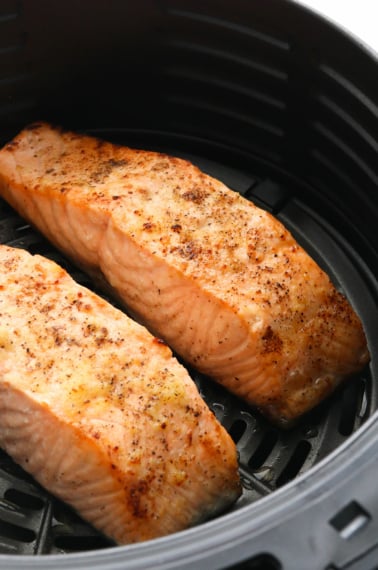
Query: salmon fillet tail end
point(100, 412)
point(222, 281)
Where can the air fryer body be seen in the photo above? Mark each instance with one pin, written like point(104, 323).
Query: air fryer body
point(282, 106)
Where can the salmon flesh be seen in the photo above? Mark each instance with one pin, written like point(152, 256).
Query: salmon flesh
point(100, 412)
point(219, 279)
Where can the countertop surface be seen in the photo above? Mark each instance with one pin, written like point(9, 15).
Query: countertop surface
point(359, 17)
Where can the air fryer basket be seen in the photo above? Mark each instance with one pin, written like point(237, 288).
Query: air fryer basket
point(282, 106)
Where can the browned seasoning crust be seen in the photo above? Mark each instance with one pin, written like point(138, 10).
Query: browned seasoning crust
point(100, 413)
point(223, 282)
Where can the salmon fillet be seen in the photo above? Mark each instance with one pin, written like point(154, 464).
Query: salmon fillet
point(100, 412)
point(222, 281)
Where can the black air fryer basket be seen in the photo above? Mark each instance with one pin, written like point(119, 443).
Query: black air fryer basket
point(283, 107)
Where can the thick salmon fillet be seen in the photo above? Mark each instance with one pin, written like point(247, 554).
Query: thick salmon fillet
point(100, 412)
point(222, 281)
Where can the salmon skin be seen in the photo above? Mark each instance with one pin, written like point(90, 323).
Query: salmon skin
point(100, 412)
point(222, 281)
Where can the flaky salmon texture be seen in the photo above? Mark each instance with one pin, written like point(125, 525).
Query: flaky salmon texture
point(100, 412)
point(222, 281)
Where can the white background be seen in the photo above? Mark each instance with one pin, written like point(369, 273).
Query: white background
point(357, 16)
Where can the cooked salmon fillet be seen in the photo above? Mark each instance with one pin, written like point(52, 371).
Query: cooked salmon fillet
point(222, 281)
point(100, 412)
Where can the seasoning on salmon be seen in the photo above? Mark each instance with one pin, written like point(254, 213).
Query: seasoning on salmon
point(101, 414)
point(220, 280)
